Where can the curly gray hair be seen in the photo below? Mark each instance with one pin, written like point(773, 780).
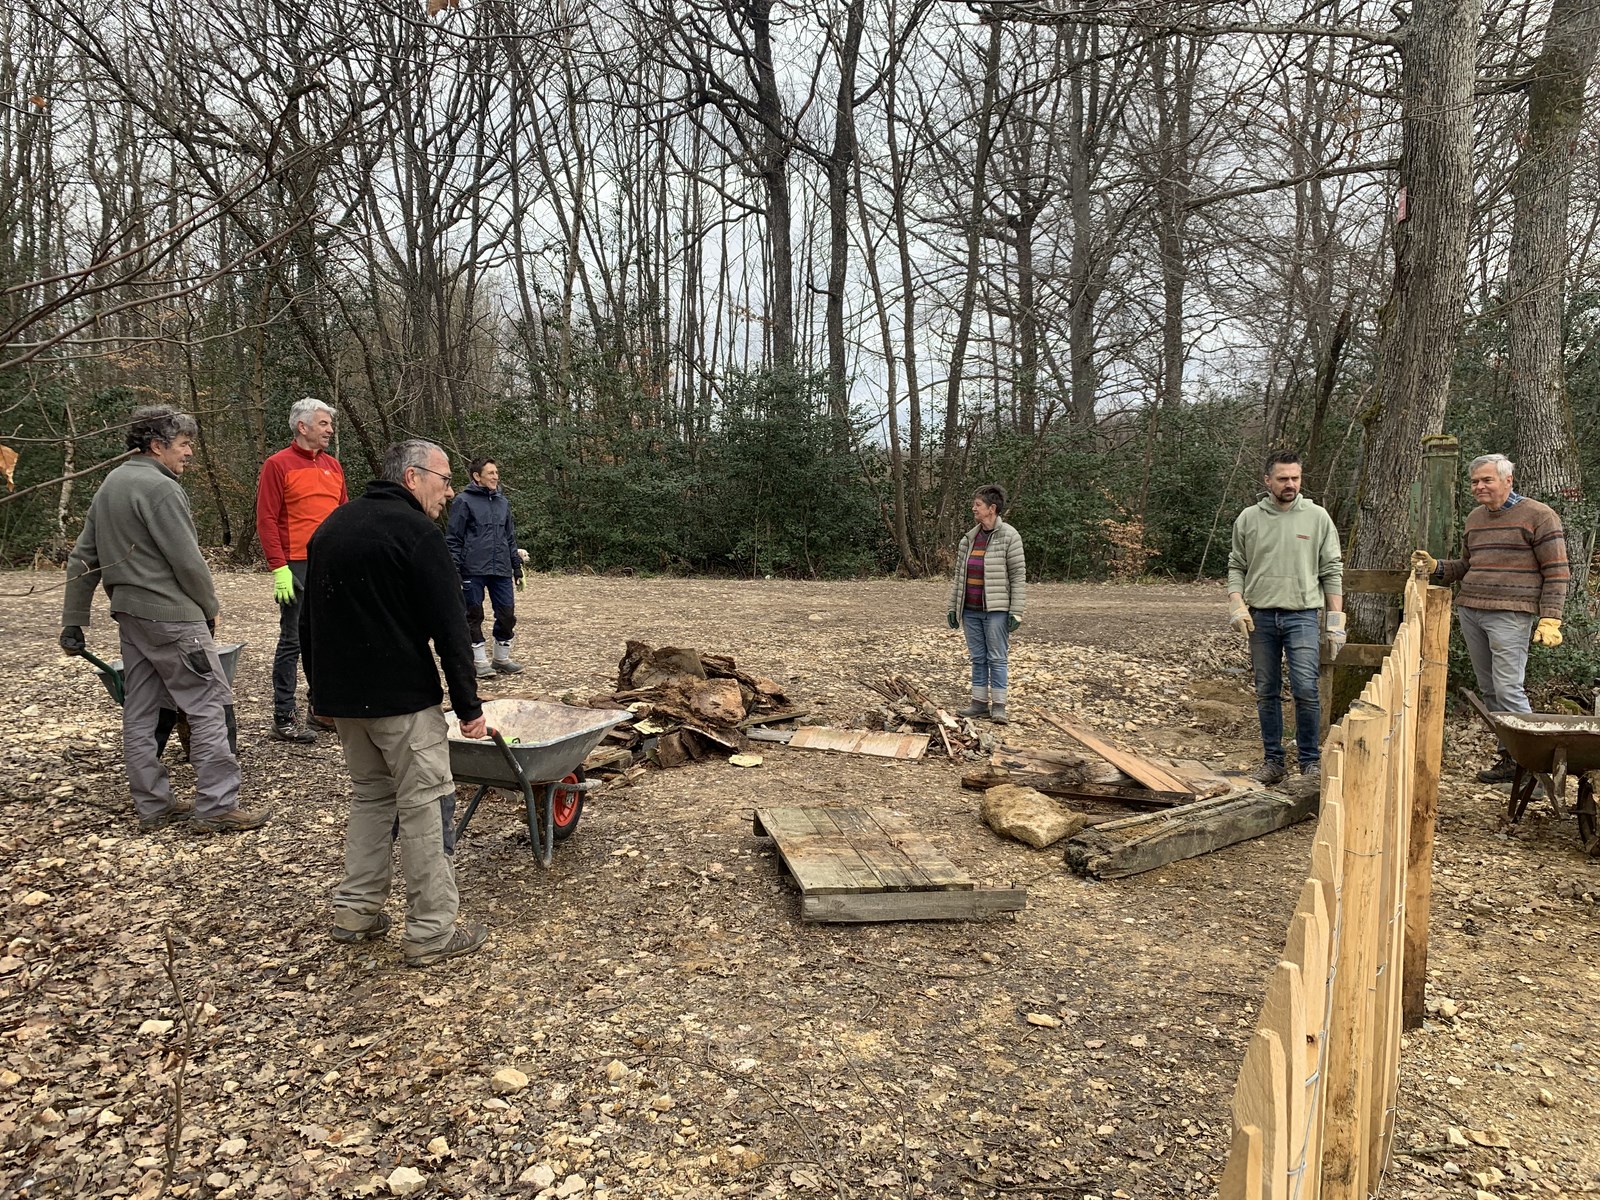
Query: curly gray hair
point(159, 423)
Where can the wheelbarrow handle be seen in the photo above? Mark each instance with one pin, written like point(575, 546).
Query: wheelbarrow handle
point(113, 676)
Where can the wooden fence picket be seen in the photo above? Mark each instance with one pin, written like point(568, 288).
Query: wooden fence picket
point(1313, 1111)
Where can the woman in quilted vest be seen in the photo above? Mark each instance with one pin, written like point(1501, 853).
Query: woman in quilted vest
point(986, 599)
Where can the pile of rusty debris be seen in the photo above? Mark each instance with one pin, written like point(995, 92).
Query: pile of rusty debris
point(686, 706)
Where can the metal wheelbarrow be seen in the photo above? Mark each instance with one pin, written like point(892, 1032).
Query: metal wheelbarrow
point(1549, 748)
point(110, 674)
point(536, 749)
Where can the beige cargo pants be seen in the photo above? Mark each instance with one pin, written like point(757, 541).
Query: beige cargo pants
point(399, 768)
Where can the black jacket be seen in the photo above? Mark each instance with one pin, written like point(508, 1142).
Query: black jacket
point(379, 587)
point(481, 533)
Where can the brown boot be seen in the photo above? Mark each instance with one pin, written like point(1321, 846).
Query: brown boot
point(235, 820)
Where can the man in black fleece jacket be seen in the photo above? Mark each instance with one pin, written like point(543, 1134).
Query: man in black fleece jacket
point(380, 587)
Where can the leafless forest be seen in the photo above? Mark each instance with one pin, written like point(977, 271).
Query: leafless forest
point(767, 286)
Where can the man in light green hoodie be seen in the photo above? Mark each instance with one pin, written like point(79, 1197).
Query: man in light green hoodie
point(1285, 572)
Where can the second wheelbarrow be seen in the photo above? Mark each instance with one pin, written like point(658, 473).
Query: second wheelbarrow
point(536, 750)
point(1549, 748)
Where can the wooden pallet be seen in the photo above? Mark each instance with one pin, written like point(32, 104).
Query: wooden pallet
point(867, 864)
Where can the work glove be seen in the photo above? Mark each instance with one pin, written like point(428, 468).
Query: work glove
point(1012, 623)
point(1337, 634)
point(521, 582)
point(283, 585)
point(72, 639)
point(1546, 633)
point(951, 619)
point(1239, 618)
point(1423, 563)
point(211, 626)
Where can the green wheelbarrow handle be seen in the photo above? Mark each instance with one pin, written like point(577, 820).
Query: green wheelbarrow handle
point(113, 676)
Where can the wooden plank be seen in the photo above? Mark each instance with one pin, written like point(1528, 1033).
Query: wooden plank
point(1424, 801)
point(1242, 1174)
point(1143, 843)
point(773, 718)
point(1387, 583)
point(1124, 760)
point(1308, 945)
point(1260, 1102)
point(952, 905)
point(1356, 654)
point(860, 741)
point(1069, 788)
point(1344, 1154)
point(939, 871)
point(819, 857)
point(779, 736)
point(1284, 1014)
point(895, 870)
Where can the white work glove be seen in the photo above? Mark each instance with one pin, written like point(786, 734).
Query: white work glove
point(1423, 563)
point(1239, 618)
point(1333, 627)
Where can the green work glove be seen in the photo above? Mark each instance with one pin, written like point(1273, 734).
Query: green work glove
point(1012, 622)
point(283, 585)
point(952, 620)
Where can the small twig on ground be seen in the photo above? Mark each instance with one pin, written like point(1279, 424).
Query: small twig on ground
point(185, 1049)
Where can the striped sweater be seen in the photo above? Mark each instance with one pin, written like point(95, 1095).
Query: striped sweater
point(1514, 559)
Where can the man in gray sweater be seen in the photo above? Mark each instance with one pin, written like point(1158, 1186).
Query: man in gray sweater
point(139, 539)
point(1285, 589)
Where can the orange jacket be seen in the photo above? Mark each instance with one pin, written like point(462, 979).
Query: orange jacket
point(296, 492)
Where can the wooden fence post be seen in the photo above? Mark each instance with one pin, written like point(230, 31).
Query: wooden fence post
point(1436, 518)
point(1425, 799)
point(1345, 1134)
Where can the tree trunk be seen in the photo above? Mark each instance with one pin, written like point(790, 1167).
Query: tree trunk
point(1546, 454)
point(948, 469)
point(1421, 319)
point(775, 150)
point(839, 163)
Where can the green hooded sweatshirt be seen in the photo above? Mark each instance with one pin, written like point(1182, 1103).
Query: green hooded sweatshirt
point(1285, 557)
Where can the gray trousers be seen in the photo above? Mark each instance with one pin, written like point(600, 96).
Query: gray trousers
point(399, 768)
point(174, 665)
point(1498, 644)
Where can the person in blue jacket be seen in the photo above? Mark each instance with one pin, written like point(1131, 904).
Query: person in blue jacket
point(483, 543)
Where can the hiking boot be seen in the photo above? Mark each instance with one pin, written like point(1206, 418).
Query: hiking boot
point(319, 723)
point(997, 714)
point(1502, 770)
point(1269, 773)
point(1311, 772)
point(480, 662)
point(502, 660)
point(464, 939)
point(179, 810)
point(287, 729)
point(235, 820)
point(978, 708)
point(350, 937)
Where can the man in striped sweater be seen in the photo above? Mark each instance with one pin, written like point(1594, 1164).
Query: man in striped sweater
point(1513, 575)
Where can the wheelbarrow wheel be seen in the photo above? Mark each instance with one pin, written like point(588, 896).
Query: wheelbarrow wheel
point(566, 804)
point(1588, 818)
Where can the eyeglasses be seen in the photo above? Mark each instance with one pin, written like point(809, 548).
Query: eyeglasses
point(440, 474)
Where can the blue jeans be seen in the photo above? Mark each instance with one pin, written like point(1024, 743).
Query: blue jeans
point(502, 595)
point(987, 643)
point(1297, 634)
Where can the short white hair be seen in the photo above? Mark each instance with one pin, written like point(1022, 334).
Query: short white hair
point(304, 409)
point(1503, 466)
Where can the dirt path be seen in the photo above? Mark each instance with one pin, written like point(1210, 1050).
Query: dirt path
point(682, 1032)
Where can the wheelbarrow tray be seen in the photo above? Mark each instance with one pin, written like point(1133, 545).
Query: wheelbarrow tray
point(1533, 739)
point(548, 741)
point(110, 673)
